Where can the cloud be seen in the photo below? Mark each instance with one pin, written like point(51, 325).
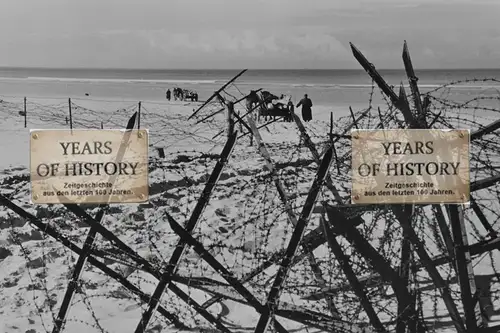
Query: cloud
point(293, 44)
point(241, 33)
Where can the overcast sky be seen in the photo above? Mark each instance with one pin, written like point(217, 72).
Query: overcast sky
point(248, 33)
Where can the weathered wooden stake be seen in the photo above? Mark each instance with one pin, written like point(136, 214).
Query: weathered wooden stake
point(25, 114)
point(166, 277)
point(102, 125)
point(465, 271)
point(406, 307)
point(351, 276)
point(482, 218)
point(445, 232)
point(331, 126)
point(139, 116)
point(332, 143)
point(410, 72)
point(353, 118)
point(289, 209)
point(230, 118)
point(70, 114)
point(274, 295)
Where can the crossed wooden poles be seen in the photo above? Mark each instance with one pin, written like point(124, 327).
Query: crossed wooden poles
point(333, 223)
point(165, 277)
point(458, 250)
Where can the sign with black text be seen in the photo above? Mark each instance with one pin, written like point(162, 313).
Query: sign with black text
point(410, 166)
point(89, 166)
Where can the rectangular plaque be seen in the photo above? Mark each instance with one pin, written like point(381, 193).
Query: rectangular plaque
point(410, 166)
point(89, 166)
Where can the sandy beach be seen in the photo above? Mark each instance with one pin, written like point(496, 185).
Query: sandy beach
point(377, 212)
point(243, 224)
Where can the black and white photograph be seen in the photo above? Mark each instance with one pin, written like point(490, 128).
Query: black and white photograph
point(250, 166)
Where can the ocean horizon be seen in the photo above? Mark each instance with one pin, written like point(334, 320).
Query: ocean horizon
point(325, 86)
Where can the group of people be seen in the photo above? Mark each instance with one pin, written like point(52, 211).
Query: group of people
point(305, 102)
point(181, 94)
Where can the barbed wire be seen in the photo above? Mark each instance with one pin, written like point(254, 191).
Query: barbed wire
point(245, 223)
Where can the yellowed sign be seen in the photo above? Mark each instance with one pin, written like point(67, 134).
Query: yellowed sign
point(89, 166)
point(410, 166)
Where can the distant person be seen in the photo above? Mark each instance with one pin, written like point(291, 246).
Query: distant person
point(290, 111)
point(168, 94)
point(306, 108)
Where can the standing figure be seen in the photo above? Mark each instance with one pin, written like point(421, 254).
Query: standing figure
point(168, 94)
point(306, 108)
point(290, 111)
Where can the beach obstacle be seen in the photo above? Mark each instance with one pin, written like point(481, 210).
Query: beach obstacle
point(339, 221)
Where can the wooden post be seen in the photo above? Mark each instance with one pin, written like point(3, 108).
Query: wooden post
point(139, 116)
point(25, 114)
point(241, 125)
point(465, 271)
point(70, 114)
point(331, 127)
point(406, 307)
point(343, 260)
point(352, 115)
point(102, 125)
point(482, 218)
point(230, 118)
point(332, 143)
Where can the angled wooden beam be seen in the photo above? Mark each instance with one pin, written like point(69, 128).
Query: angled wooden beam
point(222, 109)
point(316, 156)
point(445, 231)
point(485, 130)
point(363, 247)
point(144, 264)
point(485, 246)
point(216, 93)
point(484, 183)
point(311, 241)
point(318, 274)
point(298, 314)
point(375, 75)
point(190, 226)
point(251, 126)
point(472, 310)
point(371, 280)
point(293, 245)
point(482, 218)
point(435, 276)
point(55, 234)
point(374, 259)
point(351, 277)
point(89, 240)
point(405, 213)
point(413, 79)
point(219, 268)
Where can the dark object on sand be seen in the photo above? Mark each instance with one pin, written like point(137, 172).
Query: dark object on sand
point(306, 104)
point(87, 94)
point(184, 94)
point(270, 105)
